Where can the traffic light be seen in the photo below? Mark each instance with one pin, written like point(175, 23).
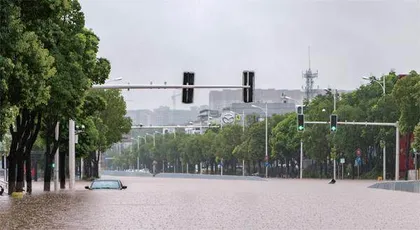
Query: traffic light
point(53, 165)
point(248, 79)
point(301, 122)
point(333, 122)
point(188, 93)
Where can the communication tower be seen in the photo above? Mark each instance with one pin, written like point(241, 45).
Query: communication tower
point(309, 77)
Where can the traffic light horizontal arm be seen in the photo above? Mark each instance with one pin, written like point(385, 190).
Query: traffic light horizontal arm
point(354, 123)
point(170, 87)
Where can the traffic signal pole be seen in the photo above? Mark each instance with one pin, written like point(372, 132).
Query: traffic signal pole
point(301, 159)
point(129, 86)
point(72, 154)
point(397, 137)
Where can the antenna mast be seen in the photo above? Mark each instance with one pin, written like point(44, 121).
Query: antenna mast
point(309, 79)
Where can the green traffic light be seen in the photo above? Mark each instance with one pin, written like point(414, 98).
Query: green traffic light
point(333, 128)
point(53, 165)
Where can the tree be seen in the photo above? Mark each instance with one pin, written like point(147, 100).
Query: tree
point(406, 94)
point(25, 67)
point(285, 139)
point(61, 29)
point(110, 123)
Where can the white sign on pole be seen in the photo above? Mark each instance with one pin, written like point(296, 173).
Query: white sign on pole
point(342, 160)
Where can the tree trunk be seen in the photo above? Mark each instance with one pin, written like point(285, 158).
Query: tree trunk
point(95, 161)
point(36, 169)
point(407, 155)
point(62, 169)
point(22, 141)
point(28, 174)
point(11, 160)
point(51, 148)
point(20, 182)
point(87, 167)
point(47, 173)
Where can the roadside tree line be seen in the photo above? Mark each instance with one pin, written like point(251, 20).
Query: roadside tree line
point(233, 145)
point(48, 63)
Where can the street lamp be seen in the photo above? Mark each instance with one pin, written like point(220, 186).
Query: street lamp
point(383, 84)
point(163, 136)
point(138, 150)
point(138, 142)
point(266, 137)
point(334, 92)
point(383, 144)
point(114, 79)
point(154, 138)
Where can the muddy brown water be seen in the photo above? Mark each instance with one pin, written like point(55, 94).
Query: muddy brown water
point(174, 203)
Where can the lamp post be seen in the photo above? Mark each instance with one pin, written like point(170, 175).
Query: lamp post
point(382, 143)
point(114, 79)
point(383, 84)
point(301, 141)
point(154, 138)
point(334, 93)
point(266, 136)
point(163, 161)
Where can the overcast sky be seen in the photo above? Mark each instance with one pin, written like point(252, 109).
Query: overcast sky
point(156, 40)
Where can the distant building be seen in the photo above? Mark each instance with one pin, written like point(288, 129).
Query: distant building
point(272, 108)
point(163, 116)
point(219, 99)
point(141, 116)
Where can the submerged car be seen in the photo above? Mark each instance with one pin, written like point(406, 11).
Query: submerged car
point(106, 184)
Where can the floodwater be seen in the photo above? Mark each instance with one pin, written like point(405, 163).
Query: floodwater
point(186, 203)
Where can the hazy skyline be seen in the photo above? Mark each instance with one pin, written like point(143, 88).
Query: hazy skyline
point(156, 40)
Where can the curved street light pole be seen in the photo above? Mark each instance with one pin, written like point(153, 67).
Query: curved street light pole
point(383, 84)
point(383, 144)
point(266, 136)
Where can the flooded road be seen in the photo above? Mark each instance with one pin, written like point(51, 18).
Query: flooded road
point(174, 203)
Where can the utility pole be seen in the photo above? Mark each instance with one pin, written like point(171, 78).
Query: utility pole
point(301, 159)
point(56, 158)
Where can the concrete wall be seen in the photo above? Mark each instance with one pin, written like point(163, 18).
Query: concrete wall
point(406, 186)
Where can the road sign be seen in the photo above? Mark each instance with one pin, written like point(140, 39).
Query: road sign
point(228, 118)
point(358, 152)
point(266, 158)
point(342, 160)
point(267, 164)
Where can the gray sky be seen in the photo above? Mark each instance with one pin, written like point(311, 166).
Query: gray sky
point(156, 40)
